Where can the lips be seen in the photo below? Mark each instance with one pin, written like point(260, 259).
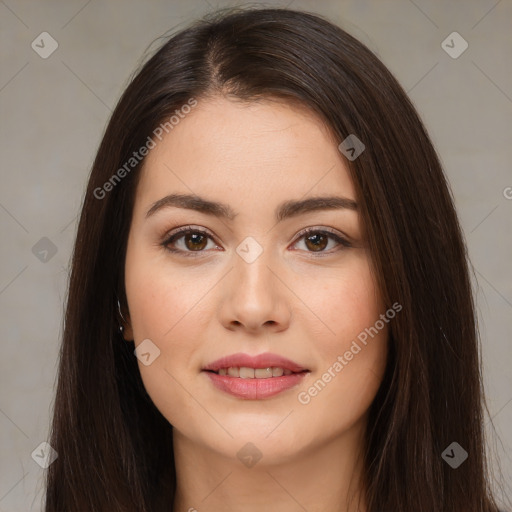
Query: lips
point(254, 377)
point(261, 361)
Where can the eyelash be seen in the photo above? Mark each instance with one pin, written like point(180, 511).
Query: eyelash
point(180, 232)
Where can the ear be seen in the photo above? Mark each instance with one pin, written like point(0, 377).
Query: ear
point(125, 320)
point(127, 328)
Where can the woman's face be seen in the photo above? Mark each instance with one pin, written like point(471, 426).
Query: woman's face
point(247, 281)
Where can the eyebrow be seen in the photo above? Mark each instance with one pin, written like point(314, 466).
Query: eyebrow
point(284, 211)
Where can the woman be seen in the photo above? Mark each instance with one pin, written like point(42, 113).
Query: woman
point(269, 302)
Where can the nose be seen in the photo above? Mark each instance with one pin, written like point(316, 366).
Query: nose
point(255, 297)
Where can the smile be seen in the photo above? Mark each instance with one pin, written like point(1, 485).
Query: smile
point(254, 377)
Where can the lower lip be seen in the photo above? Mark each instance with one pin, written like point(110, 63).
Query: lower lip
point(255, 389)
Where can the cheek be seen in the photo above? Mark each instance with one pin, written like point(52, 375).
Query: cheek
point(353, 346)
point(167, 307)
point(343, 390)
point(161, 297)
point(342, 305)
point(340, 391)
point(162, 310)
point(171, 314)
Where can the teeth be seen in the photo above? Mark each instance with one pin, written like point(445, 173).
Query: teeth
point(254, 373)
point(246, 373)
point(263, 373)
point(234, 372)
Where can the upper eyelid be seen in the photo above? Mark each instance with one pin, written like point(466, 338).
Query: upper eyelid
point(330, 231)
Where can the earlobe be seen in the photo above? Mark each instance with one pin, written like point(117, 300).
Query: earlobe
point(127, 331)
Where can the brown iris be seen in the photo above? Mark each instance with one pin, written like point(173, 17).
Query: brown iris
point(318, 241)
point(197, 241)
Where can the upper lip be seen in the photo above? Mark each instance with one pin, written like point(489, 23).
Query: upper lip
point(264, 360)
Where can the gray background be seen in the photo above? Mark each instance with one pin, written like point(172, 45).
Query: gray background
point(53, 114)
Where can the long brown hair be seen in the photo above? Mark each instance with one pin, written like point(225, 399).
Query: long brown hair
point(115, 448)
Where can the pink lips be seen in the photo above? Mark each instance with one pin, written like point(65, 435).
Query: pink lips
point(254, 389)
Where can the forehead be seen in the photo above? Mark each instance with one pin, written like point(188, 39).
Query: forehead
point(253, 152)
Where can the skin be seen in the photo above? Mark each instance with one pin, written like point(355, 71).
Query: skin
point(290, 301)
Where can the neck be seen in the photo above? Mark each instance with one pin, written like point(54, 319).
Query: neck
point(326, 477)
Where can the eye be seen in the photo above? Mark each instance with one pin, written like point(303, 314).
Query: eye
point(194, 240)
point(316, 240)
